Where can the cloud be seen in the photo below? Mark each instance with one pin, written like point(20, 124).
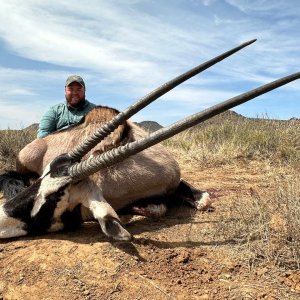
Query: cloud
point(17, 92)
point(206, 2)
point(17, 117)
point(286, 8)
point(122, 42)
point(24, 94)
point(124, 49)
point(106, 37)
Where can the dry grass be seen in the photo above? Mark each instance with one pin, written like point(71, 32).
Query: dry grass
point(266, 225)
point(251, 139)
point(11, 142)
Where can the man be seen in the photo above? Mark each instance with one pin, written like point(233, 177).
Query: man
point(68, 113)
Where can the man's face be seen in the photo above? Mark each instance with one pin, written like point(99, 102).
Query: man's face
point(75, 94)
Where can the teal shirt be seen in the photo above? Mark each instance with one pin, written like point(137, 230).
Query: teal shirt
point(62, 116)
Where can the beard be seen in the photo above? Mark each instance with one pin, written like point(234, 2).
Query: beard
point(75, 102)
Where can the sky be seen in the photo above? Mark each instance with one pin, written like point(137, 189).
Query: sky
point(126, 48)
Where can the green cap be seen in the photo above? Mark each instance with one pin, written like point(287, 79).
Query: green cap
point(75, 78)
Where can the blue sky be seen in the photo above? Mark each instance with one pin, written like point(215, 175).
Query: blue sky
point(126, 48)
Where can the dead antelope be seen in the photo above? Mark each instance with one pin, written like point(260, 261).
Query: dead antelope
point(94, 169)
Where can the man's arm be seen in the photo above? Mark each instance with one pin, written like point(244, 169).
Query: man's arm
point(47, 123)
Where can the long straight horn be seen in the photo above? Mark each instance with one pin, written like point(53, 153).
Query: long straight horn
point(78, 152)
point(94, 164)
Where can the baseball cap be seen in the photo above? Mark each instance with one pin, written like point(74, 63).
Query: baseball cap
point(75, 78)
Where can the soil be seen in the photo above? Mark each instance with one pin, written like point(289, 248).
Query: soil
point(176, 257)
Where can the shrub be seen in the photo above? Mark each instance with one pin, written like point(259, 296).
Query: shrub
point(11, 142)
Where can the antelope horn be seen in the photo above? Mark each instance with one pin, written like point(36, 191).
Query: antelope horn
point(94, 164)
point(78, 152)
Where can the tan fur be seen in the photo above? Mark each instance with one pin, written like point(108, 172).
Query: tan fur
point(35, 156)
point(30, 158)
point(151, 172)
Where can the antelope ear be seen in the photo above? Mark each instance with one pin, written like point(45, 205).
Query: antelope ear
point(113, 228)
point(59, 167)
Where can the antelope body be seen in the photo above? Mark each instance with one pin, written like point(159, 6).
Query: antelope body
point(149, 173)
point(54, 203)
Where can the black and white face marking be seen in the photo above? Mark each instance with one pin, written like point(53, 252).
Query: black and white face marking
point(36, 207)
point(54, 179)
point(15, 212)
point(52, 199)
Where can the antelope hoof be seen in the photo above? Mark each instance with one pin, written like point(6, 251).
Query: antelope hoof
point(113, 228)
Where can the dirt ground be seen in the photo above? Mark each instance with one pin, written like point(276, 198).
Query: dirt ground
point(176, 257)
